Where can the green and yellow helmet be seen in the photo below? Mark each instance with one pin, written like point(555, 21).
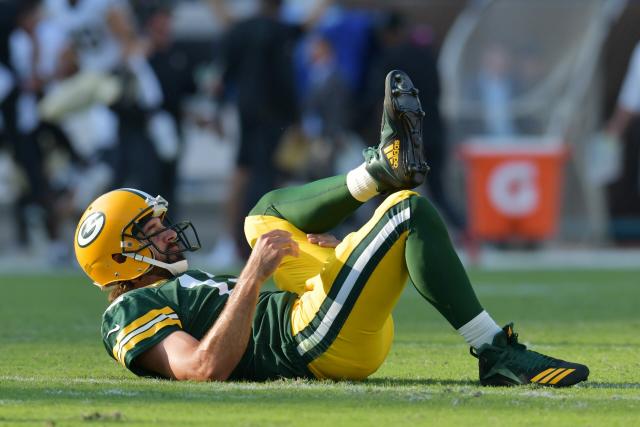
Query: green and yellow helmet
point(110, 245)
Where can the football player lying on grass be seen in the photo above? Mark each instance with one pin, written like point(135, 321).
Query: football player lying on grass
point(332, 315)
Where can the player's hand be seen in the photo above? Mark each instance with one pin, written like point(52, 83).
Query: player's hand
point(323, 240)
point(269, 251)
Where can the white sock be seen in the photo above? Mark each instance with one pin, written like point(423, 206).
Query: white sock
point(360, 184)
point(479, 330)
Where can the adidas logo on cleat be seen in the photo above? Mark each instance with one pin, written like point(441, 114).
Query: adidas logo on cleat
point(552, 375)
point(397, 163)
point(393, 153)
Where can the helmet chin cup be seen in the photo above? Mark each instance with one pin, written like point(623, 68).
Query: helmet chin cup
point(174, 268)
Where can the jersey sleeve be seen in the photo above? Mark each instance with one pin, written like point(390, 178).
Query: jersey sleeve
point(134, 323)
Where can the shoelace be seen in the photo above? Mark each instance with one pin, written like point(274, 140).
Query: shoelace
point(514, 352)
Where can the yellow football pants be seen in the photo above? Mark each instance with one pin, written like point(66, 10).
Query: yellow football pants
point(342, 318)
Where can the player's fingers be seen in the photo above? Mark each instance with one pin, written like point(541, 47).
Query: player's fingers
point(277, 233)
point(323, 240)
point(318, 238)
point(276, 240)
point(285, 250)
point(282, 241)
point(285, 244)
point(268, 237)
point(292, 250)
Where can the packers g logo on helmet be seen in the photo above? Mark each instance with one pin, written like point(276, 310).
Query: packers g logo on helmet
point(110, 245)
point(90, 228)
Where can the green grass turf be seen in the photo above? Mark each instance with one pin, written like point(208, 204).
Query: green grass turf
point(55, 371)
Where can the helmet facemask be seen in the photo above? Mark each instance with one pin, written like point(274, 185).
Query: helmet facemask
point(137, 244)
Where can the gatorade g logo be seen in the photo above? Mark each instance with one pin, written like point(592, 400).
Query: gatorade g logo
point(90, 229)
point(513, 189)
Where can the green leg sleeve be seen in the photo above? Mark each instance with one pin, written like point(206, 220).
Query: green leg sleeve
point(316, 207)
point(434, 266)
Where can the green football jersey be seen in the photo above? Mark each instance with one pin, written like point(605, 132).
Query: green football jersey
point(141, 318)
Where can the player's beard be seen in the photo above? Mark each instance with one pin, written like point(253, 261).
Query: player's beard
point(169, 259)
point(173, 257)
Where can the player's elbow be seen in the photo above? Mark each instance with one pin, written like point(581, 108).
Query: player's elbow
point(218, 376)
point(201, 374)
point(209, 374)
point(207, 369)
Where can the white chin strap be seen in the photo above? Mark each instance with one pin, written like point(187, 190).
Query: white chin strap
point(174, 268)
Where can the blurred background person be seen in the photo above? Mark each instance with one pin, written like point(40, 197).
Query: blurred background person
point(33, 48)
point(256, 57)
point(175, 71)
point(21, 119)
point(494, 86)
point(100, 40)
point(619, 146)
point(628, 105)
point(150, 107)
point(326, 106)
point(309, 150)
point(8, 86)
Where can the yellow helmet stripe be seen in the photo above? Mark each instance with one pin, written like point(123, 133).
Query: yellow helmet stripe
point(551, 375)
point(561, 376)
point(542, 374)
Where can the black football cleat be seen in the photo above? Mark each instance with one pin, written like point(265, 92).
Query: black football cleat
point(505, 362)
point(397, 163)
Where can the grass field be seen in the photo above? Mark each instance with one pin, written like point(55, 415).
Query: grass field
point(55, 371)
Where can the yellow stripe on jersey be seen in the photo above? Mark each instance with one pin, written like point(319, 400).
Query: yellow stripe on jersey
point(141, 321)
point(146, 334)
point(138, 326)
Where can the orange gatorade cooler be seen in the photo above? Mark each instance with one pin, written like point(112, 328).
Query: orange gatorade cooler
point(513, 189)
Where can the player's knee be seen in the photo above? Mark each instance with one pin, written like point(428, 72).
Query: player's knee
point(265, 205)
point(420, 205)
point(397, 197)
point(423, 209)
point(400, 195)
